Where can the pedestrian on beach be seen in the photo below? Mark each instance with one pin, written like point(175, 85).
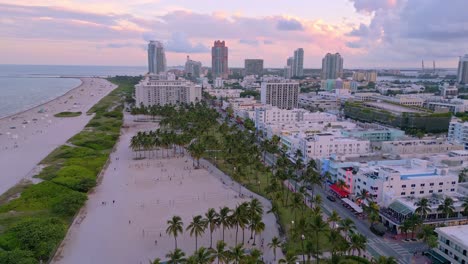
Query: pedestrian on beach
point(129, 221)
point(113, 201)
point(155, 242)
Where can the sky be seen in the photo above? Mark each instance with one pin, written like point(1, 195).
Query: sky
point(367, 33)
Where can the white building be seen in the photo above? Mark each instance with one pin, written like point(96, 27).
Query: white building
point(280, 93)
point(224, 93)
point(458, 132)
point(453, 243)
point(269, 114)
point(218, 82)
point(367, 76)
point(408, 100)
point(327, 144)
point(413, 178)
point(418, 146)
point(313, 102)
point(165, 89)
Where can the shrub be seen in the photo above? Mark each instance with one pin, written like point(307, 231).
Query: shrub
point(67, 114)
point(17, 256)
point(69, 205)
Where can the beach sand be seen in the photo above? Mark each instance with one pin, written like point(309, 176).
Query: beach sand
point(147, 193)
point(28, 137)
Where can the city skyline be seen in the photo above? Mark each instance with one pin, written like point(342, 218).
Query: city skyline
point(370, 34)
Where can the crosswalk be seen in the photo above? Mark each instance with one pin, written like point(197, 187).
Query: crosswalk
point(403, 254)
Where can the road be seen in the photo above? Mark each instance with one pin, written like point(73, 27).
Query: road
point(376, 245)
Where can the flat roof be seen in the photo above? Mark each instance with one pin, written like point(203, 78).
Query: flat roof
point(459, 233)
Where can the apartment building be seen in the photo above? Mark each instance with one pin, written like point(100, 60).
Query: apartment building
point(224, 93)
point(317, 103)
point(373, 133)
point(165, 89)
point(408, 100)
point(453, 243)
point(418, 146)
point(458, 132)
point(280, 93)
point(270, 114)
point(327, 144)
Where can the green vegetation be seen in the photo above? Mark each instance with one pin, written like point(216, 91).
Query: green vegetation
point(462, 116)
point(32, 226)
point(67, 114)
point(417, 122)
point(248, 93)
point(237, 153)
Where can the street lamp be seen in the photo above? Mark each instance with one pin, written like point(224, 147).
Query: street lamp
point(303, 251)
point(258, 186)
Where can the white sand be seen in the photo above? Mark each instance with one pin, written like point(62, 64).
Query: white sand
point(22, 148)
point(148, 193)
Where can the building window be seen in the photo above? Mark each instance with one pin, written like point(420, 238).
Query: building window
point(403, 193)
point(403, 186)
point(411, 192)
point(431, 191)
point(439, 191)
point(413, 185)
point(421, 192)
point(441, 183)
point(422, 184)
point(431, 184)
point(452, 190)
point(453, 182)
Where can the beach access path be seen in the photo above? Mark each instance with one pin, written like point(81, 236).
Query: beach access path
point(29, 136)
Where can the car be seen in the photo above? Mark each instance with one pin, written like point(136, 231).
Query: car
point(331, 198)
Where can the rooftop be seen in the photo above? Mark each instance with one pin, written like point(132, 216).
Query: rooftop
point(459, 233)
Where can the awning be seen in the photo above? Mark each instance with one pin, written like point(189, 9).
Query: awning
point(339, 191)
point(400, 208)
point(353, 205)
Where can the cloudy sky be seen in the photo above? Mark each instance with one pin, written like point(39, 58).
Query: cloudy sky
point(368, 33)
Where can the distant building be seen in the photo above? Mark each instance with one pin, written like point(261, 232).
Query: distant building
point(280, 93)
point(332, 66)
point(458, 131)
point(463, 70)
point(219, 59)
point(165, 89)
point(288, 69)
point(218, 82)
point(156, 57)
point(253, 67)
point(453, 243)
point(298, 63)
point(193, 68)
point(367, 76)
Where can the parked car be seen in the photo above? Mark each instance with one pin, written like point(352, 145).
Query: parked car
point(331, 198)
point(378, 229)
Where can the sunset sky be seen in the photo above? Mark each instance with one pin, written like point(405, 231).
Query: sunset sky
point(368, 33)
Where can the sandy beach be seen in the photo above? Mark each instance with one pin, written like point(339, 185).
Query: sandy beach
point(28, 137)
point(140, 196)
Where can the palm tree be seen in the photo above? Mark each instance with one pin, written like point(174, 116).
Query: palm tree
point(203, 256)
point(155, 261)
point(197, 227)
point(255, 256)
point(347, 226)
point(237, 253)
point(257, 226)
point(197, 149)
point(255, 208)
point(415, 222)
point(447, 207)
point(191, 260)
point(224, 219)
point(274, 244)
point(405, 227)
point(317, 225)
point(220, 253)
point(176, 256)
point(384, 260)
point(423, 207)
point(363, 195)
point(357, 242)
point(290, 258)
point(465, 207)
point(334, 218)
point(175, 227)
point(239, 218)
point(212, 219)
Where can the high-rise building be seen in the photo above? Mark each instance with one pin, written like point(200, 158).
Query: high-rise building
point(463, 70)
point(163, 89)
point(192, 68)
point(219, 59)
point(298, 63)
point(368, 76)
point(332, 66)
point(156, 57)
point(288, 69)
point(280, 93)
point(253, 67)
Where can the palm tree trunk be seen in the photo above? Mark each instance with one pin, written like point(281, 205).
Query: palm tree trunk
point(196, 242)
point(175, 238)
point(211, 238)
point(255, 235)
point(243, 236)
point(223, 233)
point(237, 230)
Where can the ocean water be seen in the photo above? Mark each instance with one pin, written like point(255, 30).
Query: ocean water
point(26, 86)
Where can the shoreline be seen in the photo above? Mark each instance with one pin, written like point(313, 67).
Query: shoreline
point(49, 101)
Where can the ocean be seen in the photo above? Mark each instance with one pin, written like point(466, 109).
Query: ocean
point(26, 86)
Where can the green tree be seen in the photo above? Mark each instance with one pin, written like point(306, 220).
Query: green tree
point(290, 258)
point(203, 256)
point(334, 218)
point(274, 245)
point(212, 219)
point(176, 256)
point(237, 253)
point(446, 207)
point(423, 208)
point(197, 150)
point(384, 260)
point(175, 227)
point(357, 242)
point(17, 256)
point(224, 219)
point(220, 253)
point(239, 218)
point(317, 225)
point(347, 226)
point(197, 227)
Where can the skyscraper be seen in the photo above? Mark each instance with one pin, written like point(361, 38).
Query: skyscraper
point(192, 68)
point(288, 70)
point(219, 59)
point(253, 66)
point(462, 76)
point(156, 57)
point(298, 63)
point(332, 66)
